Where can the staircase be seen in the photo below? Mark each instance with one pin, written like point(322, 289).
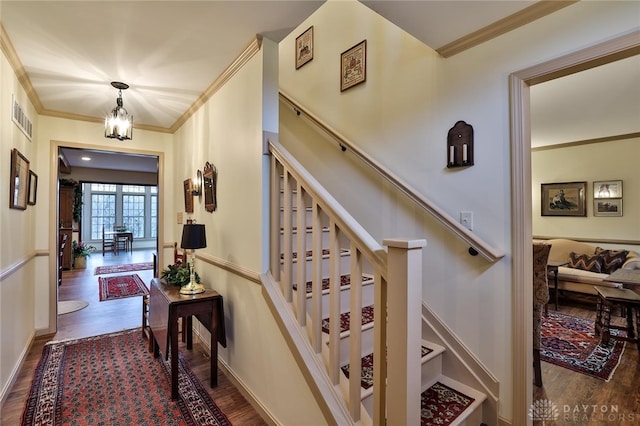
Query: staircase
point(366, 368)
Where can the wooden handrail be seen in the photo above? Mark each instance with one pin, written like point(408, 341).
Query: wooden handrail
point(477, 244)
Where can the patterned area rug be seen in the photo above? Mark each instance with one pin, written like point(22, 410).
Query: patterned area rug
point(441, 405)
point(570, 342)
point(121, 286)
point(114, 269)
point(112, 380)
point(367, 368)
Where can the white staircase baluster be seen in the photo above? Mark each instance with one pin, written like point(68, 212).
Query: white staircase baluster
point(287, 237)
point(355, 331)
point(334, 302)
point(301, 256)
point(316, 281)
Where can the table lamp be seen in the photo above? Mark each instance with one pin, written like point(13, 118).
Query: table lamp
point(193, 237)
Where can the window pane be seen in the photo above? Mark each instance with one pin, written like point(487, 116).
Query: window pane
point(103, 212)
point(133, 214)
point(133, 188)
point(103, 187)
point(154, 215)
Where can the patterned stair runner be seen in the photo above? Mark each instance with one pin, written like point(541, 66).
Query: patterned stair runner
point(367, 368)
point(345, 280)
point(345, 319)
point(441, 405)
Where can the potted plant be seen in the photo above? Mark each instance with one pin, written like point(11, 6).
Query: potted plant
point(178, 274)
point(80, 252)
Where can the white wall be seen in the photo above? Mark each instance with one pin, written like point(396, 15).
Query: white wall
point(18, 261)
point(401, 115)
point(613, 160)
point(228, 132)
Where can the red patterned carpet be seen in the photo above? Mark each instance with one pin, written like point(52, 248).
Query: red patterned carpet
point(121, 286)
point(570, 342)
point(441, 405)
point(114, 269)
point(113, 380)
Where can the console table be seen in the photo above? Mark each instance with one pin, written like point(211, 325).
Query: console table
point(166, 306)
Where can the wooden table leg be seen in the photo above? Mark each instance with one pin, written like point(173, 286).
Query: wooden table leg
point(173, 330)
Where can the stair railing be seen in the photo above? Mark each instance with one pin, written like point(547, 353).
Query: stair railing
point(477, 244)
point(295, 195)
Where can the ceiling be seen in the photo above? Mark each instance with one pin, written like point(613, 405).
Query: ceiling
point(170, 52)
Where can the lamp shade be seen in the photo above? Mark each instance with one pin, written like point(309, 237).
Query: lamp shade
point(193, 236)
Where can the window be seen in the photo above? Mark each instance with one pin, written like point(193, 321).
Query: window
point(103, 209)
point(133, 212)
point(153, 217)
point(134, 206)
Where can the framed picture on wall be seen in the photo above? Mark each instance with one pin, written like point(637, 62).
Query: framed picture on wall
point(188, 195)
point(304, 47)
point(607, 189)
point(563, 199)
point(33, 188)
point(353, 66)
point(607, 206)
point(18, 181)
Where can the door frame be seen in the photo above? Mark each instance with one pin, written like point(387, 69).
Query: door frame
point(55, 145)
point(612, 50)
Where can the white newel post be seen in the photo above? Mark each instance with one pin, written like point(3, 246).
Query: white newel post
point(404, 330)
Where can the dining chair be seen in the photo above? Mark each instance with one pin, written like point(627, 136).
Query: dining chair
point(108, 244)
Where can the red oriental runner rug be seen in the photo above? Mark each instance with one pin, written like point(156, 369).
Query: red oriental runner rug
point(114, 269)
point(112, 380)
point(121, 286)
point(570, 342)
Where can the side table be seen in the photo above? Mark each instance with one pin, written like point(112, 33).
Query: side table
point(609, 297)
point(166, 306)
point(552, 266)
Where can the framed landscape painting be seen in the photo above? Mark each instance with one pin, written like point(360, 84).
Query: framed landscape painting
point(607, 206)
point(563, 199)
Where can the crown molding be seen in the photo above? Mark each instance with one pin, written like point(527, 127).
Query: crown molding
point(503, 26)
point(236, 65)
point(587, 142)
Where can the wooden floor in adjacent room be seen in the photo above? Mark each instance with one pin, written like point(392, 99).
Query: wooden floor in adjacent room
point(115, 315)
point(579, 394)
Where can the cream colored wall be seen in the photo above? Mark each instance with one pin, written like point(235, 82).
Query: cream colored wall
point(615, 160)
point(401, 115)
point(18, 261)
point(228, 132)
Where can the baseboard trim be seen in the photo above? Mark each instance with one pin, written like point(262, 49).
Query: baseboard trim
point(237, 381)
point(15, 372)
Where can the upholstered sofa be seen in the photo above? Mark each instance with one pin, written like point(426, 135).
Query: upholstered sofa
point(587, 264)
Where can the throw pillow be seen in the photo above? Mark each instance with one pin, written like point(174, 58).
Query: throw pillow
point(611, 259)
point(585, 262)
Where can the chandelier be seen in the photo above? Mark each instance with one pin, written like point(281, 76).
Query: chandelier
point(118, 124)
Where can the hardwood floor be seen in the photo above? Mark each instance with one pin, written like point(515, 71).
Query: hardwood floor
point(115, 315)
point(583, 400)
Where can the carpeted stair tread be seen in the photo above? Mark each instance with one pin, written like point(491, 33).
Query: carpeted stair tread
point(309, 254)
point(367, 368)
point(345, 319)
point(345, 281)
point(442, 404)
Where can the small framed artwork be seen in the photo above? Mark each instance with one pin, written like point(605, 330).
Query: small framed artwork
point(304, 47)
point(33, 188)
point(18, 181)
point(563, 199)
point(607, 206)
point(353, 66)
point(188, 195)
point(607, 189)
